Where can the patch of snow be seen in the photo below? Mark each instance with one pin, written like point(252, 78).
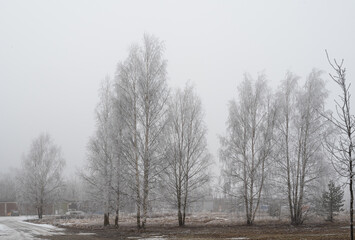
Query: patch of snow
point(67, 224)
point(86, 234)
point(154, 238)
point(26, 217)
point(3, 227)
point(148, 238)
point(239, 238)
point(14, 228)
point(44, 226)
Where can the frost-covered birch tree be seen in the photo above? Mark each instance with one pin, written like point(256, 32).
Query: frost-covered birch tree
point(300, 129)
point(141, 84)
point(187, 152)
point(247, 148)
point(153, 99)
point(40, 178)
point(127, 78)
point(119, 168)
point(101, 152)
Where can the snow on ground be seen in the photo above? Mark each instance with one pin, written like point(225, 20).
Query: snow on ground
point(86, 234)
point(14, 228)
point(7, 233)
point(239, 238)
point(153, 238)
point(45, 226)
point(3, 228)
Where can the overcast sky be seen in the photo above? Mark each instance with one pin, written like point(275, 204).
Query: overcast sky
point(53, 55)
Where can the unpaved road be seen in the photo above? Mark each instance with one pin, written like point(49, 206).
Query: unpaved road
point(14, 228)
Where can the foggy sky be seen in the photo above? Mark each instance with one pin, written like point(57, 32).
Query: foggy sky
point(53, 55)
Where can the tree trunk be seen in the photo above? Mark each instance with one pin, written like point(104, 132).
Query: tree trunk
point(246, 195)
point(106, 219)
point(117, 209)
point(180, 216)
point(186, 188)
point(184, 208)
point(146, 162)
point(138, 200)
point(184, 216)
point(331, 209)
point(116, 218)
point(107, 200)
point(136, 157)
point(40, 212)
point(40, 209)
point(351, 197)
point(138, 215)
point(179, 205)
point(289, 190)
point(145, 194)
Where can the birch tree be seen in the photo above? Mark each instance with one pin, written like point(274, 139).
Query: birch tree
point(40, 178)
point(187, 151)
point(118, 177)
point(341, 148)
point(300, 128)
point(141, 83)
point(121, 181)
point(247, 148)
point(101, 152)
point(153, 97)
point(127, 78)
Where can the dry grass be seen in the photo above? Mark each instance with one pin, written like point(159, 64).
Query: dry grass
point(203, 227)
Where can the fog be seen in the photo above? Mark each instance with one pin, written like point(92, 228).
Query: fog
point(53, 55)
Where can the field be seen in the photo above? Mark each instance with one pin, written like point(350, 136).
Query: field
point(199, 227)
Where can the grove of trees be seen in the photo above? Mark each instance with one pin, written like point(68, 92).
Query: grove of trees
point(150, 150)
point(146, 139)
point(275, 140)
point(150, 144)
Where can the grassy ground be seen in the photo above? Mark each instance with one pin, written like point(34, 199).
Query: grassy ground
point(202, 227)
